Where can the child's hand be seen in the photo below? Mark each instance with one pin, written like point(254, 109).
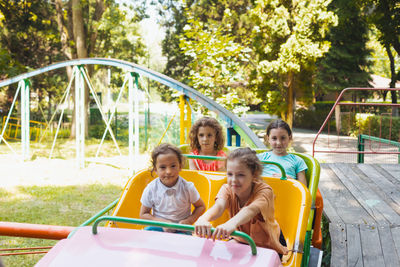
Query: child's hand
point(223, 231)
point(202, 228)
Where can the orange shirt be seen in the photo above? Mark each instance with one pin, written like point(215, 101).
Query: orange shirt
point(263, 228)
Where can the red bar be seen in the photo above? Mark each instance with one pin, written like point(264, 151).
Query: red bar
point(35, 230)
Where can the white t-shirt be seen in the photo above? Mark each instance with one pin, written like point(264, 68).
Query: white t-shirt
point(171, 203)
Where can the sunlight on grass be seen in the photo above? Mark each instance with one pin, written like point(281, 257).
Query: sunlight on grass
point(54, 205)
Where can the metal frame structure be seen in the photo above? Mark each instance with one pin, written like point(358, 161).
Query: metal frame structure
point(134, 71)
point(337, 104)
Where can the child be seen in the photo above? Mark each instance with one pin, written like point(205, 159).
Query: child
point(250, 202)
point(279, 136)
point(207, 139)
point(169, 196)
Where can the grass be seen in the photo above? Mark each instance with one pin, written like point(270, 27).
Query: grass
point(54, 205)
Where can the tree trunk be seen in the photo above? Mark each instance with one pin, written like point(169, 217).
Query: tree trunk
point(66, 35)
point(395, 111)
point(81, 48)
point(290, 100)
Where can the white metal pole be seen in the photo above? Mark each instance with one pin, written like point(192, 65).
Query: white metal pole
point(136, 95)
point(80, 118)
point(25, 138)
point(131, 96)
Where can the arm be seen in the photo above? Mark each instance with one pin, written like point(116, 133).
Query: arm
point(243, 216)
point(199, 208)
point(202, 225)
point(146, 214)
point(301, 176)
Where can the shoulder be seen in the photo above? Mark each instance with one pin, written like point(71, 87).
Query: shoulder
point(264, 155)
point(297, 159)
point(185, 184)
point(221, 153)
point(224, 192)
point(262, 190)
point(194, 152)
point(153, 186)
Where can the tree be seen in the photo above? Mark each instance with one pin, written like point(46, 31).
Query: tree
point(28, 40)
point(288, 39)
point(86, 32)
point(346, 64)
point(385, 15)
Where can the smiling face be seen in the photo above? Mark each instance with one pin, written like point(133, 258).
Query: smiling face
point(168, 168)
point(279, 140)
point(240, 179)
point(206, 137)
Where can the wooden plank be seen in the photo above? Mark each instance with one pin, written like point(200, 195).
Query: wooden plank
point(371, 247)
point(354, 252)
point(392, 169)
point(390, 254)
point(371, 202)
point(338, 244)
point(385, 188)
point(396, 238)
point(360, 212)
point(329, 212)
point(342, 201)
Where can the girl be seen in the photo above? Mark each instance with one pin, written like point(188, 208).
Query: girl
point(279, 136)
point(169, 196)
point(250, 202)
point(207, 139)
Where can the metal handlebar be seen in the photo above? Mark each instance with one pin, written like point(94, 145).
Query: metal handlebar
point(283, 172)
point(178, 226)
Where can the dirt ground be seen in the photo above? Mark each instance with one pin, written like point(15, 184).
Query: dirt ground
point(115, 170)
point(43, 171)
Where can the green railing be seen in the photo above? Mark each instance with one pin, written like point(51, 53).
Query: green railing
point(190, 156)
point(361, 145)
point(94, 217)
point(177, 226)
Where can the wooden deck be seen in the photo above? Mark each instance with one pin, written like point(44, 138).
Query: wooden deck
point(362, 203)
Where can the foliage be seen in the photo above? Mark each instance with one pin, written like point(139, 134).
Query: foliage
point(28, 40)
point(326, 242)
point(38, 33)
point(345, 65)
point(218, 71)
point(288, 39)
point(385, 16)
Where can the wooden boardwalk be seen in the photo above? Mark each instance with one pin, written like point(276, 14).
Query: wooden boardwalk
point(362, 203)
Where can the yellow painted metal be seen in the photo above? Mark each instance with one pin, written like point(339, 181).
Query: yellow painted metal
point(129, 203)
point(292, 208)
point(185, 119)
point(292, 204)
point(14, 127)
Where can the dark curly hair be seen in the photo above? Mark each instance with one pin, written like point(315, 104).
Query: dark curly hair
point(248, 157)
point(204, 122)
point(165, 149)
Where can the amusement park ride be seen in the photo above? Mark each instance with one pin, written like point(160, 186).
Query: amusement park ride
point(122, 242)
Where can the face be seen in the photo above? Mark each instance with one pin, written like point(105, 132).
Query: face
point(168, 168)
point(240, 178)
point(206, 137)
point(279, 140)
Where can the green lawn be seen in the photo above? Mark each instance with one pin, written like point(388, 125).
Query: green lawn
point(54, 205)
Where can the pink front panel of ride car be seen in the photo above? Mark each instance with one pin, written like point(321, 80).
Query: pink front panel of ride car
point(127, 247)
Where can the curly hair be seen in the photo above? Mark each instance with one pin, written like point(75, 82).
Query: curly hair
point(204, 122)
point(248, 157)
point(165, 149)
